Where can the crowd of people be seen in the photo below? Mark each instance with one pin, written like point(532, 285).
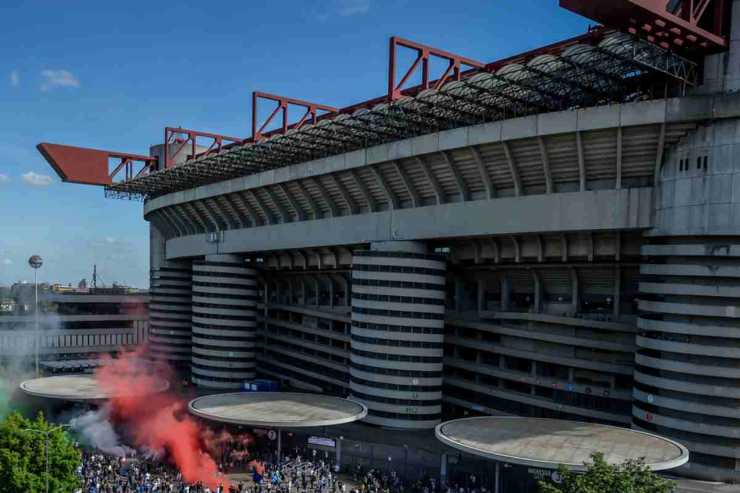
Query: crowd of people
point(102, 473)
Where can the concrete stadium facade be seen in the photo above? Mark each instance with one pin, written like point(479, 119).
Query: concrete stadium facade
point(580, 262)
point(552, 266)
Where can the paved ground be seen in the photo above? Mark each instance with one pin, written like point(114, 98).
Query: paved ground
point(547, 442)
point(82, 387)
point(277, 409)
point(691, 486)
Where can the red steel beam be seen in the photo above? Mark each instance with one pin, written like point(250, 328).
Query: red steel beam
point(688, 29)
point(423, 54)
point(283, 104)
point(183, 136)
point(91, 166)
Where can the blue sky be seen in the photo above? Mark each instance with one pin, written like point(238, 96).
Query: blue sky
point(112, 75)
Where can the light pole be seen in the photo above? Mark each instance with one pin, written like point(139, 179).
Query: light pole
point(36, 262)
point(46, 447)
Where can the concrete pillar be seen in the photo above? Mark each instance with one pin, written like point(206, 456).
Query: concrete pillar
point(398, 294)
point(722, 71)
point(575, 291)
point(347, 294)
point(481, 295)
point(617, 298)
point(459, 294)
point(537, 305)
point(224, 322)
point(331, 291)
point(505, 294)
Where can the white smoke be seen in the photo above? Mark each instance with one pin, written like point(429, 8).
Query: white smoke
point(95, 430)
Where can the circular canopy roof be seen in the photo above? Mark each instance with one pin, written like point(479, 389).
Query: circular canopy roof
point(547, 443)
point(76, 387)
point(277, 409)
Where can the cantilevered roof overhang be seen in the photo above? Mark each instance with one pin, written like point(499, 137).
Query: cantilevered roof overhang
point(581, 75)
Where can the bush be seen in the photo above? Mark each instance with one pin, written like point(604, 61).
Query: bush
point(631, 477)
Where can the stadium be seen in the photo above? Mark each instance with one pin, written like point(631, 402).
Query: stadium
point(553, 235)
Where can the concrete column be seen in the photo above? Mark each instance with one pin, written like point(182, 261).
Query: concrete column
point(505, 294)
point(481, 295)
point(347, 294)
point(575, 291)
point(722, 71)
point(398, 294)
point(617, 298)
point(224, 322)
point(331, 291)
point(537, 306)
point(459, 294)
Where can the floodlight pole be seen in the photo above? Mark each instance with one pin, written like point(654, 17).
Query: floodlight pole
point(46, 447)
point(36, 322)
point(35, 261)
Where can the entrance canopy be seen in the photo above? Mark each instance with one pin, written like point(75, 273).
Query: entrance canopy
point(77, 387)
point(548, 443)
point(277, 409)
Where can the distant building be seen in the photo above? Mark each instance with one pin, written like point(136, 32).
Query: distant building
point(7, 306)
point(75, 326)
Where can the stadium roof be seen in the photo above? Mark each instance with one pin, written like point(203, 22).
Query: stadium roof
point(599, 68)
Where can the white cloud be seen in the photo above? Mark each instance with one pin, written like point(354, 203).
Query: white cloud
point(324, 10)
point(345, 8)
point(7, 261)
point(15, 78)
point(4, 178)
point(37, 180)
point(58, 78)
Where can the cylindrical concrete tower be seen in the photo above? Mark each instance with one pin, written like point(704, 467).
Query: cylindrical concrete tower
point(687, 366)
point(169, 306)
point(224, 322)
point(398, 309)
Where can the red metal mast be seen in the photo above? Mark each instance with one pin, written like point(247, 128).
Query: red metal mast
point(284, 103)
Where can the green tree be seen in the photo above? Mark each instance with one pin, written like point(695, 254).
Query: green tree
point(631, 477)
point(23, 460)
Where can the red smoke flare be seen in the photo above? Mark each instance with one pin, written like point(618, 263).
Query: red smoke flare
point(157, 421)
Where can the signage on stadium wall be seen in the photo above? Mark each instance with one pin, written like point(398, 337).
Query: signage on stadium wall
point(261, 385)
point(523, 479)
point(323, 441)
